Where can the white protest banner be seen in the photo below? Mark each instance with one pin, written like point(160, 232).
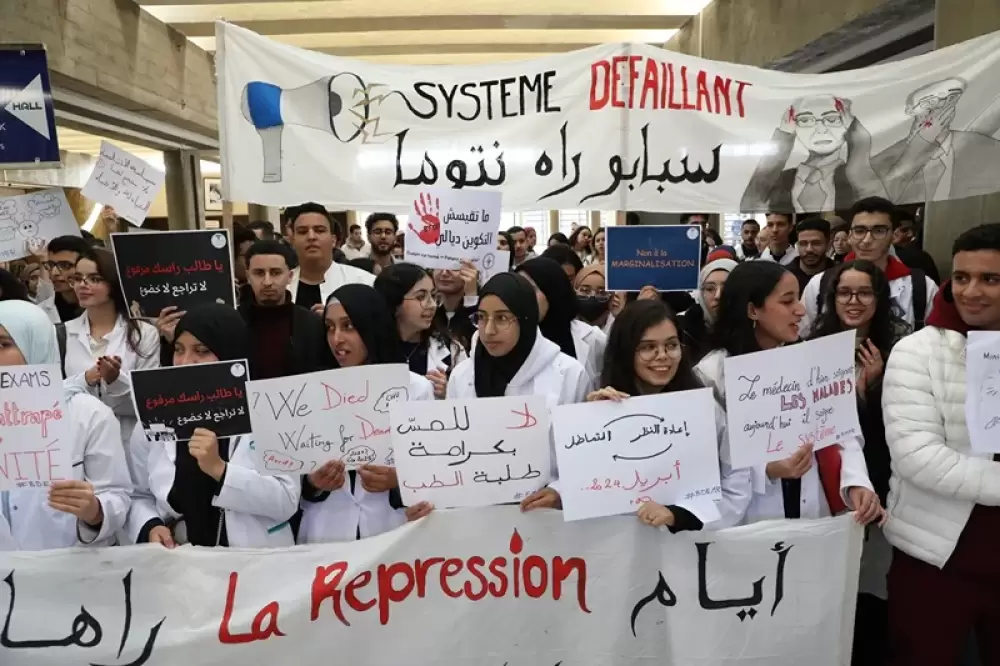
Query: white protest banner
point(982, 390)
point(301, 422)
point(784, 398)
point(612, 456)
point(487, 586)
point(451, 225)
point(34, 218)
point(493, 263)
point(611, 127)
point(471, 452)
point(125, 182)
point(36, 440)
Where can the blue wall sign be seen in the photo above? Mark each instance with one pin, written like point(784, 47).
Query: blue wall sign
point(27, 114)
point(668, 257)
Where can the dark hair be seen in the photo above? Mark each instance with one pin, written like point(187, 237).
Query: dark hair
point(814, 223)
point(632, 219)
point(69, 244)
point(884, 326)
point(264, 226)
point(714, 235)
point(838, 227)
point(108, 270)
point(750, 220)
point(626, 334)
point(364, 263)
point(874, 205)
point(262, 247)
point(559, 237)
point(12, 289)
point(353, 227)
point(395, 281)
point(516, 230)
point(92, 240)
point(788, 216)
point(375, 218)
point(982, 237)
point(686, 217)
point(600, 230)
point(293, 213)
point(750, 282)
point(242, 235)
point(564, 254)
point(576, 235)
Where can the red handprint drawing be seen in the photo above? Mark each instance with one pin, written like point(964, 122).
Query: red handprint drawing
point(429, 211)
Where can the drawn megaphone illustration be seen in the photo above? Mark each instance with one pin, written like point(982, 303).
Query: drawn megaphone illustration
point(338, 104)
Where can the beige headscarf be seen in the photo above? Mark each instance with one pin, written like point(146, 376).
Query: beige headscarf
point(587, 271)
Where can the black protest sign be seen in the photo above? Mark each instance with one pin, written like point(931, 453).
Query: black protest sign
point(172, 402)
point(181, 268)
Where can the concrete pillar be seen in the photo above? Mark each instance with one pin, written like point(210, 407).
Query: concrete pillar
point(956, 21)
point(185, 207)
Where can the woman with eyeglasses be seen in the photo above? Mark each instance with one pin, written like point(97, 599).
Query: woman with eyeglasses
point(345, 505)
point(645, 357)
point(696, 322)
point(103, 345)
point(510, 358)
point(593, 300)
point(409, 292)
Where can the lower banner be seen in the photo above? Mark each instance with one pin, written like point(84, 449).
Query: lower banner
point(474, 586)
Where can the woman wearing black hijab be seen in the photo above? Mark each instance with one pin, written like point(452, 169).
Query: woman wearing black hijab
point(340, 504)
point(558, 310)
point(207, 491)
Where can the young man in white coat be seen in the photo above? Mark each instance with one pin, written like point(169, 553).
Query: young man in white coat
point(944, 498)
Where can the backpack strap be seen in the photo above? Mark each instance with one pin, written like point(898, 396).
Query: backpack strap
point(919, 282)
point(61, 339)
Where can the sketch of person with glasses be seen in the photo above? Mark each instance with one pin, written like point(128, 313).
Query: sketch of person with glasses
point(936, 162)
point(836, 172)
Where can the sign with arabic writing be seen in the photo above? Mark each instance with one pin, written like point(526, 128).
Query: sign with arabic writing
point(471, 452)
point(451, 225)
point(172, 402)
point(611, 127)
point(303, 421)
point(982, 390)
point(487, 586)
point(125, 182)
point(615, 456)
point(780, 399)
point(36, 439)
point(665, 257)
point(37, 217)
point(180, 268)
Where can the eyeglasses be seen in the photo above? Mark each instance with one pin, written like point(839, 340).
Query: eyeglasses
point(425, 297)
point(588, 292)
point(501, 320)
point(864, 296)
point(878, 233)
point(382, 232)
point(935, 101)
point(89, 280)
point(647, 351)
point(63, 266)
point(828, 119)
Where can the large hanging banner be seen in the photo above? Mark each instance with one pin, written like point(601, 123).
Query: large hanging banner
point(613, 127)
point(485, 586)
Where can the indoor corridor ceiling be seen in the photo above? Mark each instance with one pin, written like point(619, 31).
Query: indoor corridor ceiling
point(427, 32)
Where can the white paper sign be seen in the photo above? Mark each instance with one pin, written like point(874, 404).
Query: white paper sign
point(34, 218)
point(492, 263)
point(784, 398)
point(982, 390)
point(451, 225)
point(36, 440)
point(613, 457)
point(301, 422)
point(471, 452)
point(125, 182)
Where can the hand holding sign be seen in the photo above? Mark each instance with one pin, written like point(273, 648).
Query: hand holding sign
point(77, 498)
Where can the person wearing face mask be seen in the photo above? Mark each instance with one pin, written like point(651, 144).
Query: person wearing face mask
point(557, 307)
point(345, 505)
point(696, 322)
point(207, 491)
point(511, 358)
point(760, 310)
point(90, 506)
point(409, 292)
point(592, 299)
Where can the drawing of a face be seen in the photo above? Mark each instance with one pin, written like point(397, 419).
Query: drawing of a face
point(935, 97)
point(819, 124)
point(28, 229)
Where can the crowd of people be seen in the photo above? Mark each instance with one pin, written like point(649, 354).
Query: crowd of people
point(314, 298)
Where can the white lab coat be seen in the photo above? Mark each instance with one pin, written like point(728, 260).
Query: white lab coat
point(335, 277)
point(768, 502)
point(438, 352)
point(343, 514)
point(26, 520)
point(257, 508)
point(590, 343)
point(900, 296)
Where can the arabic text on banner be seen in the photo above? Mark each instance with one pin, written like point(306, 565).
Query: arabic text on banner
point(125, 182)
point(36, 440)
point(449, 226)
point(34, 219)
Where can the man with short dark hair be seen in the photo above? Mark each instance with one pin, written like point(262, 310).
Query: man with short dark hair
point(355, 246)
point(262, 229)
point(519, 237)
point(904, 241)
point(62, 254)
point(382, 229)
point(747, 249)
point(813, 247)
point(700, 219)
point(780, 248)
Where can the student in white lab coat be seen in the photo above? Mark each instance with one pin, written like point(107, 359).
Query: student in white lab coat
point(510, 357)
point(103, 345)
point(91, 505)
point(645, 357)
point(345, 505)
point(206, 491)
point(760, 310)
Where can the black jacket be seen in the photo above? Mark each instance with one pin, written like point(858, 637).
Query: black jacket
point(307, 349)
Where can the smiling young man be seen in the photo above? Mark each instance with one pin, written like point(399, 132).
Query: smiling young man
point(813, 246)
point(944, 499)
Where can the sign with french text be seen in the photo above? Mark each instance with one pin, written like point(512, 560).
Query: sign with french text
point(179, 268)
point(667, 257)
point(452, 225)
point(301, 422)
point(780, 399)
point(36, 439)
point(28, 138)
point(488, 586)
point(611, 127)
point(982, 390)
point(127, 183)
point(172, 402)
point(615, 456)
point(455, 453)
point(34, 218)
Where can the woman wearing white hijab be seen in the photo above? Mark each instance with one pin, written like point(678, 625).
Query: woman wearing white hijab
point(89, 507)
